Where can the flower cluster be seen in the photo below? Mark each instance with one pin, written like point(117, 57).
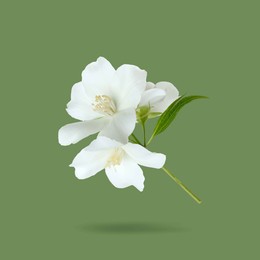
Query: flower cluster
point(110, 102)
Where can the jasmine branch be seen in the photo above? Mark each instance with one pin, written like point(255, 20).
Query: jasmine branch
point(182, 185)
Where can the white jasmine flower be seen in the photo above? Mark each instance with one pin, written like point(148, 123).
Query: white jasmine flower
point(105, 102)
point(159, 96)
point(120, 161)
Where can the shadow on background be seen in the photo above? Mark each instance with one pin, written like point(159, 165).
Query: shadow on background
point(131, 228)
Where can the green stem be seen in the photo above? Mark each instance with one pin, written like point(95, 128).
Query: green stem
point(132, 140)
point(182, 185)
point(136, 139)
point(143, 126)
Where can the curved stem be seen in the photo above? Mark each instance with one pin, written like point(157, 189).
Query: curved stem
point(182, 185)
point(136, 139)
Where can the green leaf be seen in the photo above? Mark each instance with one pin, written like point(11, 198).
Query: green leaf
point(170, 113)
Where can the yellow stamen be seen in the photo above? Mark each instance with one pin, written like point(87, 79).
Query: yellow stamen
point(116, 157)
point(104, 105)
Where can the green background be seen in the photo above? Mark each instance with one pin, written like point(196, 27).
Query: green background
point(204, 47)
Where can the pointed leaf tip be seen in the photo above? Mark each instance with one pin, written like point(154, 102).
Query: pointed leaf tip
point(171, 112)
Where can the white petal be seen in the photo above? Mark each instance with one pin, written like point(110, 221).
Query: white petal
point(126, 174)
point(144, 157)
point(128, 85)
point(149, 85)
point(102, 143)
point(122, 124)
point(72, 133)
point(152, 96)
point(80, 106)
point(97, 77)
point(87, 163)
point(172, 94)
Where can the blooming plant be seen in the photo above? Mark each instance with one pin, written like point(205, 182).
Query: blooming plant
point(110, 102)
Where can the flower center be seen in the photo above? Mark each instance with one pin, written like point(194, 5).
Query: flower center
point(116, 157)
point(104, 105)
